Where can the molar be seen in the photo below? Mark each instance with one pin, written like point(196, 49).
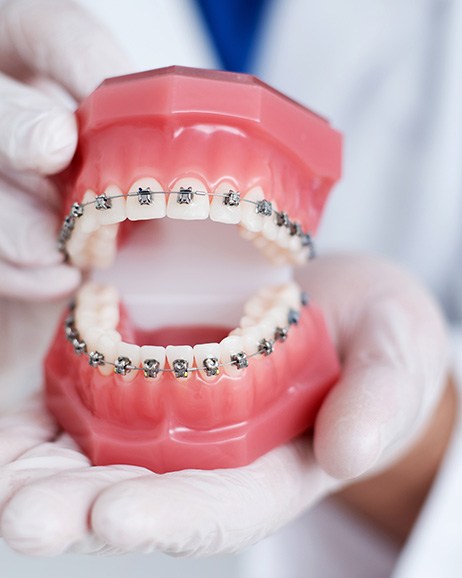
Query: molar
point(224, 209)
point(140, 207)
point(185, 203)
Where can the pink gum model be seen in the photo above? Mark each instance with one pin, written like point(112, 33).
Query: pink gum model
point(218, 128)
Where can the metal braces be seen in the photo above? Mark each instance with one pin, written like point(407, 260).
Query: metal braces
point(185, 196)
point(180, 367)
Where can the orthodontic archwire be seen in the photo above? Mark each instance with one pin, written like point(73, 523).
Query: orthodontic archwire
point(180, 367)
point(184, 196)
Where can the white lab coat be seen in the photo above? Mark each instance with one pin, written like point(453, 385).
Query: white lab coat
point(388, 74)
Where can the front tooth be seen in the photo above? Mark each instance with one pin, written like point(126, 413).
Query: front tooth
point(144, 206)
point(211, 352)
point(149, 355)
point(131, 352)
point(230, 346)
point(250, 219)
point(116, 213)
point(108, 344)
point(195, 200)
point(180, 359)
point(222, 208)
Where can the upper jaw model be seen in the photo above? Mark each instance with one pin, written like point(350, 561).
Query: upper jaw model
point(174, 388)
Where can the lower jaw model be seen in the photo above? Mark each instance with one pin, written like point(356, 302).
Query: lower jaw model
point(176, 389)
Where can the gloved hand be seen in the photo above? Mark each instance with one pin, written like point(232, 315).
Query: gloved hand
point(393, 346)
point(50, 52)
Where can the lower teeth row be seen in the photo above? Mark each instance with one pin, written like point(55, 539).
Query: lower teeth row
point(180, 367)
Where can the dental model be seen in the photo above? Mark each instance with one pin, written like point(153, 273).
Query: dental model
point(191, 145)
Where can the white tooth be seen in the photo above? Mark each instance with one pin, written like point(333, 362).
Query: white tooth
point(153, 352)
point(247, 321)
point(221, 212)
point(203, 351)
point(133, 352)
point(229, 346)
point(157, 209)
point(101, 254)
point(76, 244)
point(270, 229)
point(175, 352)
point(245, 234)
point(300, 257)
point(289, 296)
point(107, 233)
point(275, 254)
point(269, 294)
point(116, 213)
point(256, 307)
point(197, 209)
point(260, 242)
point(85, 318)
point(91, 337)
point(108, 295)
point(294, 243)
point(236, 331)
point(279, 314)
point(252, 336)
point(283, 239)
point(108, 316)
point(82, 260)
point(250, 219)
point(107, 344)
point(88, 294)
point(89, 218)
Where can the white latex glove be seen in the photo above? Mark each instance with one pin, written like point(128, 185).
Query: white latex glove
point(393, 345)
point(54, 45)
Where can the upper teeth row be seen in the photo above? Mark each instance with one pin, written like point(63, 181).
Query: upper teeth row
point(229, 200)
